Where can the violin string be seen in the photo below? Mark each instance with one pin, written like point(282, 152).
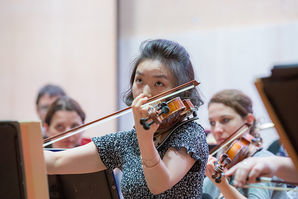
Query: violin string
point(93, 124)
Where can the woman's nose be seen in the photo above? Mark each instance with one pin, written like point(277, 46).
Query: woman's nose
point(217, 128)
point(147, 91)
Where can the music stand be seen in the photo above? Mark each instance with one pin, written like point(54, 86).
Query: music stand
point(83, 186)
point(279, 93)
point(22, 168)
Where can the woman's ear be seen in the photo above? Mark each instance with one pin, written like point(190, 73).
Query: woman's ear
point(250, 118)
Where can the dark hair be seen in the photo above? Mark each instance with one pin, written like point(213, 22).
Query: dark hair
point(67, 104)
point(238, 101)
point(175, 58)
point(51, 90)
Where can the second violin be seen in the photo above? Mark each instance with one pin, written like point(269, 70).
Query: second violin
point(240, 149)
point(227, 111)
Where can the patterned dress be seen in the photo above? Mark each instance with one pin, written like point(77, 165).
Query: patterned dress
point(121, 150)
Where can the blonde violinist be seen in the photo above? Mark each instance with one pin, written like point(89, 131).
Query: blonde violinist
point(156, 162)
point(228, 110)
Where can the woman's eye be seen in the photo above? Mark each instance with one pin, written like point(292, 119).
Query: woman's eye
point(138, 80)
point(212, 123)
point(59, 128)
point(225, 120)
point(74, 125)
point(159, 84)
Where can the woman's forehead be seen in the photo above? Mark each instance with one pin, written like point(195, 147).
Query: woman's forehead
point(154, 69)
point(218, 109)
point(66, 115)
point(152, 66)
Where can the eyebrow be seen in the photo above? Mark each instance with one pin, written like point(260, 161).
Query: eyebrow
point(226, 116)
point(222, 116)
point(155, 76)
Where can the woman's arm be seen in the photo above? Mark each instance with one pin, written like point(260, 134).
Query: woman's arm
point(83, 159)
point(251, 168)
point(163, 174)
point(160, 174)
point(228, 191)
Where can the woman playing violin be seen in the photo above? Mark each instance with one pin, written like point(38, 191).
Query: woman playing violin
point(155, 163)
point(228, 110)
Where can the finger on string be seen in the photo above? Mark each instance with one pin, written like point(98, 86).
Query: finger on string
point(143, 101)
point(140, 101)
point(211, 159)
point(137, 98)
point(241, 174)
point(231, 171)
point(255, 172)
point(238, 182)
point(210, 168)
point(211, 163)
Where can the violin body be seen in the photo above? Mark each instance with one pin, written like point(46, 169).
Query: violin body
point(240, 149)
point(167, 114)
point(189, 108)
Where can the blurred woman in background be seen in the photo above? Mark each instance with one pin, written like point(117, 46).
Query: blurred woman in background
point(228, 110)
point(64, 114)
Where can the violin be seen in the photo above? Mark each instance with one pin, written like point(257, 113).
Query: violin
point(157, 98)
point(169, 113)
point(240, 149)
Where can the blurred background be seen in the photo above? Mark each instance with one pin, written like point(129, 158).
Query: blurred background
point(87, 47)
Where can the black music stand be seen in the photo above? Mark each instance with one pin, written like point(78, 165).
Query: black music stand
point(83, 186)
point(279, 93)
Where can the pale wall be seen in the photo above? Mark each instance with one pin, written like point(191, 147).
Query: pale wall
point(69, 43)
point(231, 42)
